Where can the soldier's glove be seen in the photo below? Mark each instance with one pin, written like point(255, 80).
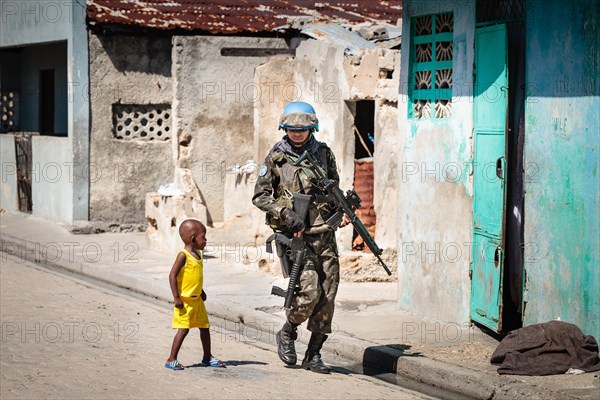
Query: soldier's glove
point(292, 220)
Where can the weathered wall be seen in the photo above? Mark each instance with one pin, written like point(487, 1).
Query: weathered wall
point(126, 69)
point(385, 189)
point(323, 76)
point(272, 80)
point(368, 80)
point(27, 23)
point(215, 97)
point(276, 81)
point(561, 159)
point(51, 186)
point(321, 81)
point(435, 211)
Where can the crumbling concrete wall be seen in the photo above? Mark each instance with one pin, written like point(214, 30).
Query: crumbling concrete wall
point(275, 80)
point(331, 81)
point(321, 81)
point(214, 110)
point(127, 70)
point(375, 77)
point(166, 211)
point(385, 192)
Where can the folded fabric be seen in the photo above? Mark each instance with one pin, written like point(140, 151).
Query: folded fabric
point(546, 349)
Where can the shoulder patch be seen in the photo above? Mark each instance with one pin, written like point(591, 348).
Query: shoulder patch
point(263, 170)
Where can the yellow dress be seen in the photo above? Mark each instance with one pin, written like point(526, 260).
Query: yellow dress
point(189, 286)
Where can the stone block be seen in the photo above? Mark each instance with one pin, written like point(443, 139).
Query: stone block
point(165, 212)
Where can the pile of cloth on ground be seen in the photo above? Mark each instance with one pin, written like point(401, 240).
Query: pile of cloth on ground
point(550, 348)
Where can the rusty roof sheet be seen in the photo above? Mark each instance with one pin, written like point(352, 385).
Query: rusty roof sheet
point(236, 16)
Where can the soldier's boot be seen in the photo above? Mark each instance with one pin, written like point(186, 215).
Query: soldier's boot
point(285, 343)
point(312, 358)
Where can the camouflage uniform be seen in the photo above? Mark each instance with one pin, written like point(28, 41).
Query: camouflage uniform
point(319, 279)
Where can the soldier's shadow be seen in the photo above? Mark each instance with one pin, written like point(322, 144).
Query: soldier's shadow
point(385, 357)
point(237, 363)
point(378, 359)
point(229, 363)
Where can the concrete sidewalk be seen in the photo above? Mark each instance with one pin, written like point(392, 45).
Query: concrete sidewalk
point(369, 328)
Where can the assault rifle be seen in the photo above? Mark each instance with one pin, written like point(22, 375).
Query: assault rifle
point(345, 204)
point(290, 249)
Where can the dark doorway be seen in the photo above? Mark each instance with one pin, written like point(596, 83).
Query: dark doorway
point(364, 124)
point(364, 146)
point(47, 101)
point(512, 13)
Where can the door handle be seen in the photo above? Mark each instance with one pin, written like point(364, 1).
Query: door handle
point(497, 254)
point(500, 167)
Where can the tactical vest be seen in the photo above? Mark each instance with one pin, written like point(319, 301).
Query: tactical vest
point(300, 179)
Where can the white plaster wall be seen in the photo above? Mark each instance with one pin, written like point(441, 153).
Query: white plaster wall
point(126, 69)
point(434, 212)
point(215, 109)
point(276, 81)
point(52, 178)
point(385, 190)
point(8, 174)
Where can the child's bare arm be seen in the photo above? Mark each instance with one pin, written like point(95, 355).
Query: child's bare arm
point(177, 265)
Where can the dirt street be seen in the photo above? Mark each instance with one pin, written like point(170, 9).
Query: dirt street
point(68, 339)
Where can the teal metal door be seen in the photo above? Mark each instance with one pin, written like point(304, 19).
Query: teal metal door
point(490, 109)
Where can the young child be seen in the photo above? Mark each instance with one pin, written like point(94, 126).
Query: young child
point(186, 285)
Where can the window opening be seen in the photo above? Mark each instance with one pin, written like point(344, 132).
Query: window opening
point(147, 122)
point(430, 75)
point(9, 117)
point(499, 11)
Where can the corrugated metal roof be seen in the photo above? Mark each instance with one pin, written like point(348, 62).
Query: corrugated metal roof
point(336, 34)
point(236, 16)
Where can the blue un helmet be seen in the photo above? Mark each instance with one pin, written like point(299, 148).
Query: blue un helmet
point(299, 116)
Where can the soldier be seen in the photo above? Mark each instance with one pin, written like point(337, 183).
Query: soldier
point(278, 180)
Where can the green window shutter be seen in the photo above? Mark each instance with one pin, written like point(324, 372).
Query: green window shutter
point(430, 72)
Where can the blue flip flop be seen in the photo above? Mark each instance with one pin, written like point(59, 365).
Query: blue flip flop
point(175, 365)
point(214, 362)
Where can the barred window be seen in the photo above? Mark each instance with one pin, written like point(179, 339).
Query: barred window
point(8, 112)
point(142, 122)
point(430, 74)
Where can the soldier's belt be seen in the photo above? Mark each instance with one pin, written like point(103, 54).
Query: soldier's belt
point(314, 230)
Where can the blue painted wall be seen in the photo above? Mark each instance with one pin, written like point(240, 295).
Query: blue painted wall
point(435, 187)
point(561, 161)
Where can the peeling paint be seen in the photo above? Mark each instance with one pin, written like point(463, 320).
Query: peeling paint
point(561, 141)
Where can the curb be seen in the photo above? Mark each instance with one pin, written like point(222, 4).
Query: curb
point(422, 370)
